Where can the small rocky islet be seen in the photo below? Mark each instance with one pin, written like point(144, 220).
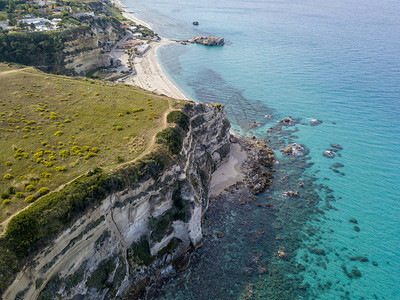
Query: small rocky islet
point(205, 40)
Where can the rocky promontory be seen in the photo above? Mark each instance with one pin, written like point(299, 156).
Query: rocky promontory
point(207, 40)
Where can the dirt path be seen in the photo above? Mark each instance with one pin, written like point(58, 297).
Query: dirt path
point(13, 71)
point(148, 149)
point(153, 139)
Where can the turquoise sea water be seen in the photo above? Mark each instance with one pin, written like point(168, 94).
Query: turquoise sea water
point(336, 61)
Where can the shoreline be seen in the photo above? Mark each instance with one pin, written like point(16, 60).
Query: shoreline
point(149, 74)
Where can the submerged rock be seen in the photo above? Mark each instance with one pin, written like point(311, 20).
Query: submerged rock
point(290, 193)
point(338, 165)
point(336, 146)
point(288, 121)
point(356, 228)
point(352, 220)
point(315, 122)
point(254, 124)
point(318, 251)
point(359, 258)
point(248, 271)
point(355, 273)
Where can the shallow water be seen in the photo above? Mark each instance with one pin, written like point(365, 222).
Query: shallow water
point(335, 61)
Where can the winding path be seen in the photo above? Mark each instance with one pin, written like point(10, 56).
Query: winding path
point(148, 149)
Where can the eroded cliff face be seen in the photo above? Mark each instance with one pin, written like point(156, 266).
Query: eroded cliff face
point(134, 236)
point(83, 49)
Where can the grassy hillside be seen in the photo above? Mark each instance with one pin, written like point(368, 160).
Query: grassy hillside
point(55, 128)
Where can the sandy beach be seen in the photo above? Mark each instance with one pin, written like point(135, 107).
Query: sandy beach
point(149, 74)
point(229, 172)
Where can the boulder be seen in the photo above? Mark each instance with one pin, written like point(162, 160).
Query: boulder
point(315, 122)
point(329, 154)
point(293, 149)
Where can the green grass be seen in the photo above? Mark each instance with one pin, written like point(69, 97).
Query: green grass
point(55, 128)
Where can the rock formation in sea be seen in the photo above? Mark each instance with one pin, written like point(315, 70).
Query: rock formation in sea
point(207, 40)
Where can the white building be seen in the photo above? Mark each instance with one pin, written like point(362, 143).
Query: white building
point(142, 48)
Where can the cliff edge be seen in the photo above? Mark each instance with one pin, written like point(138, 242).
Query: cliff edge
point(140, 230)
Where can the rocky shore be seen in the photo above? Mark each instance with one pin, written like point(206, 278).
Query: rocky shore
point(246, 172)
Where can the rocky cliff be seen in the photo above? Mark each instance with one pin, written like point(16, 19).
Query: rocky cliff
point(135, 235)
point(83, 49)
point(72, 51)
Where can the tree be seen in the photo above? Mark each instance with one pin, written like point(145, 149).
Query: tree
point(33, 27)
point(11, 20)
point(11, 6)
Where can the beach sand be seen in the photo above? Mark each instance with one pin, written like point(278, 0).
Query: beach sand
point(149, 74)
point(230, 171)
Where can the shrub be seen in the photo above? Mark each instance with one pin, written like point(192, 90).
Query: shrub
point(67, 121)
point(11, 190)
point(172, 137)
point(30, 188)
point(139, 253)
point(179, 118)
point(19, 195)
point(89, 155)
point(60, 169)
point(8, 163)
point(64, 153)
point(39, 153)
point(4, 195)
point(59, 133)
point(99, 277)
point(118, 128)
point(53, 116)
point(30, 199)
point(8, 176)
point(43, 191)
point(6, 201)
point(95, 149)
point(120, 115)
point(136, 110)
point(45, 175)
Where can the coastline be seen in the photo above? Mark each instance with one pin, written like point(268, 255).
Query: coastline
point(149, 74)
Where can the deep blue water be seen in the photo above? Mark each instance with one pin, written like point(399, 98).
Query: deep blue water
point(337, 61)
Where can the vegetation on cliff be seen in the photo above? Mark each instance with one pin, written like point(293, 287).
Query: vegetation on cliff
point(54, 128)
